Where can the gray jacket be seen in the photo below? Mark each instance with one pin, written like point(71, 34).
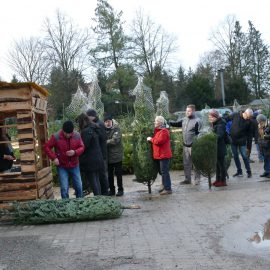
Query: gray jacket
point(114, 144)
point(191, 127)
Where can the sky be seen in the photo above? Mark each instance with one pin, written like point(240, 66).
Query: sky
point(191, 21)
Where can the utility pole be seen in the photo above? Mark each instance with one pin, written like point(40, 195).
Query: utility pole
point(221, 72)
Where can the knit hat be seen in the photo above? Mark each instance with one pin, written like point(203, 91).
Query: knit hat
point(68, 127)
point(107, 117)
point(214, 113)
point(261, 118)
point(91, 112)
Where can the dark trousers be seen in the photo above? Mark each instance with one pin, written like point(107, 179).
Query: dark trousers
point(92, 181)
point(103, 179)
point(221, 169)
point(115, 168)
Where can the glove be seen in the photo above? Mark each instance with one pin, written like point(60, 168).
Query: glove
point(149, 139)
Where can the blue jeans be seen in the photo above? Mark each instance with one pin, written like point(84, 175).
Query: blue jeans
point(164, 172)
point(260, 155)
point(243, 151)
point(76, 181)
point(266, 164)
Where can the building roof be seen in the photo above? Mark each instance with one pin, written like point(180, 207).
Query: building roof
point(257, 102)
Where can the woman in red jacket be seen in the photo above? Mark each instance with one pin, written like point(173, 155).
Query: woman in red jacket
point(162, 152)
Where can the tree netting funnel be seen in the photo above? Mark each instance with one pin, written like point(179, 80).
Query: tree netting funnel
point(236, 106)
point(94, 98)
point(162, 105)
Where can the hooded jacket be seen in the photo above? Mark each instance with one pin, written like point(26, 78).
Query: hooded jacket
point(61, 145)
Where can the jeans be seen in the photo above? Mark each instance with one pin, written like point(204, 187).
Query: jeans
point(164, 165)
point(76, 181)
point(266, 164)
point(115, 168)
point(243, 151)
point(260, 155)
point(92, 179)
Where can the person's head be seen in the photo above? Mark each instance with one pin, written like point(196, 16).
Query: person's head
point(92, 114)
point(159, 121)
point(108, 121)
point(261, 119)
point(247, 114)
point(68, 128)
point(82, 121)
point(213, 116)
point(190, 110)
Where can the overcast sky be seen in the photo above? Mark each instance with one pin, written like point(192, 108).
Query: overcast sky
point(190, 20)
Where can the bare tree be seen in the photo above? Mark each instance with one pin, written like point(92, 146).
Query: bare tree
point(27, 59)
point(152, 45)
point(66, 45)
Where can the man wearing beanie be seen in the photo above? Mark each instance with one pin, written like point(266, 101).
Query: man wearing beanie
point(115, 155)
point(103, 178)
point(68, 146)
point(191, 126)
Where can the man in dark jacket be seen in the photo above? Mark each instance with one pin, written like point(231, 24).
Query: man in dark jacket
point(68, 146)
point(191, 126)
point(241, 134)
point(115, 155)
point(103, 178)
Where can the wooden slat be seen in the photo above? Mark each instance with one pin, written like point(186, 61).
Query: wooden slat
point(44, 190)
point(14, 106)
point(9, 174)
point(25, 136)
point(17, 179)
point(43, 172)
point(24, 115)
point(38, 111)
point(28, 168)
point(25, 126)
point(45, 181)
point(17, 186)
point(22, 94)
point(27, 155)
point(19, 195)
point(26, 146)
point(9, 126)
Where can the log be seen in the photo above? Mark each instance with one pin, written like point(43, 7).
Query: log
point(28, 168)
point(25, 126)
point(25, 136)
point(15, 94)
point(28, 156)
point(19, 195)
point(15, 106)
point(45, 181)
point(17, 186)
point(43, 172)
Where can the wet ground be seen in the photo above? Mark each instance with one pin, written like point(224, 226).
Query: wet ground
point(194, 228)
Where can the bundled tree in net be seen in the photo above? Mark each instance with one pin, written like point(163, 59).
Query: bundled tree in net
point(145, 169)
point(204, 155)
point(236, 106)
point(162, 105)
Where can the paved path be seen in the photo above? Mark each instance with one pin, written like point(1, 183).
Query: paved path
point(193, 228)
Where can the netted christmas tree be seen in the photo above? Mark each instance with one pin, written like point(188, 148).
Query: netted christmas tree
point(94, 97)
point(236, 106)
point(145, 168)
point(205, 122)
point(78, 105)
point(162, 105)
point(204, 155)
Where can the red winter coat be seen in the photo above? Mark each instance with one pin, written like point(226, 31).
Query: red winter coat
point(161, 144)
point(61, 145)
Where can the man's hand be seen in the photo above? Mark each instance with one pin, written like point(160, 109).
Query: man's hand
point(149, 139)
point(56, 162)
point(9, 157)
point(70, 153)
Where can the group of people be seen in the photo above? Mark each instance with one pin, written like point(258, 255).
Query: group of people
point(91, 157)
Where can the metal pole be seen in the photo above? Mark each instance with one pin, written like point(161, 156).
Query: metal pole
point(222, 85)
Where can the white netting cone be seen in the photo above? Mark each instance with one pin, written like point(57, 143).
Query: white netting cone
point(94, 98)
point(143, 105)
point(162, 105)
point(78, 104)
point(205, 120)
point(236, 106)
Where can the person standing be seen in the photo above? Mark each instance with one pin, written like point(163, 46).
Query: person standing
point(91, 161)
point(264, 143)
point(219, 128)
point(103, 174)
point(115, 155)
point(162, 153)
point(191, 126)
point(241, 134)
point(68, 146)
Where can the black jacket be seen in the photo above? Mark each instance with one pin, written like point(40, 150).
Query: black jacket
point(264, 141)
point(92, 158)
point(241, 129)
point(102, 137)
point(219, 127)
point(4, 163)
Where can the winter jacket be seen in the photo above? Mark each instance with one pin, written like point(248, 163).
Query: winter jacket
point(102, 137)
point(161, 144)
point(92, 159)
point(264, 140)
point(191, 127)
point(241, 129)
point(61, 145)
point(114, 143)
point(219, 128)
point(4, 163)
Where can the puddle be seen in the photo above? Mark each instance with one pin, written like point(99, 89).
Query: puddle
point(262, 237)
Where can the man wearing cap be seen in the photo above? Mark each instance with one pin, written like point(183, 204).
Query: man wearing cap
point(103, 178)
point(191, 126)
point(68, 146)
point(115, 154)
point(241, 134)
